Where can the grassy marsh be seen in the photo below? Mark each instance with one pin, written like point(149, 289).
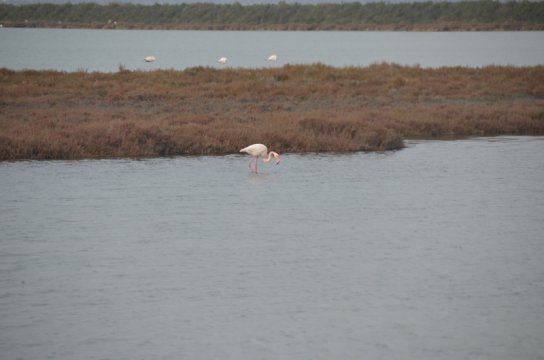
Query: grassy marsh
point(306, 108)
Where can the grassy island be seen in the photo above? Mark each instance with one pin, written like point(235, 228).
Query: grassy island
point(302, 108)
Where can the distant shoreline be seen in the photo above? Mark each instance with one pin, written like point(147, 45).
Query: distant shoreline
point(440, 27)
point(465, 15)
point(295, 108)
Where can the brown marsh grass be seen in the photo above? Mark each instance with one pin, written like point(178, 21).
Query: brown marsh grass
point(306, 108)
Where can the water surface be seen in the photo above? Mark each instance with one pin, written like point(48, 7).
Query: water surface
point(107, 50)
point(432, 252)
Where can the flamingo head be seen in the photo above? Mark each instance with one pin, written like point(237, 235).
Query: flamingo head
point(276, 158)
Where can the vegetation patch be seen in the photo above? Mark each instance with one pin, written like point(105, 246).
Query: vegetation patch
point(435, 16)
point(302, 108)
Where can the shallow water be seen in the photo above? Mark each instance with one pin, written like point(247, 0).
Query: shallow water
point(107, 50)
point(432, 252)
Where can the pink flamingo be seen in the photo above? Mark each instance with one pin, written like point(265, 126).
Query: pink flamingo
point(259, 150)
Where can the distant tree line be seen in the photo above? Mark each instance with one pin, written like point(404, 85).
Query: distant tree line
point(377, 13)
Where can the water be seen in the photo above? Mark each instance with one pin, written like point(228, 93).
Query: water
point(107, 50)
point(432, 252)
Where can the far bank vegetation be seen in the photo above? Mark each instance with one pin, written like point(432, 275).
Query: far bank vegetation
point(306, 108)
point(434, 16)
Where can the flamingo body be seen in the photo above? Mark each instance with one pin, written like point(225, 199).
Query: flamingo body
point(259, 151)
point(222, 61)
point(149, 58)
point(272, 58)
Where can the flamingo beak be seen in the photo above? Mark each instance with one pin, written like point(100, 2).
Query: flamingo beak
point(277, 160)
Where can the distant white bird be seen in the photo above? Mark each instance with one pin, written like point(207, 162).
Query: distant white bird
point(149, 59)
point(222, 61)
point(259, 151)
point(272, 58)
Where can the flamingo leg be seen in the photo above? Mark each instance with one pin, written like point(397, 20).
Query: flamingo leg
point(255, 168)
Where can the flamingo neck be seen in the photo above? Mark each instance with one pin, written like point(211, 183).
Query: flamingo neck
point(269, 157)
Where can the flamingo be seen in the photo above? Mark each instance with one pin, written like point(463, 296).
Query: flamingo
point(149, 58)
point(222, 61)
point(259, 150)
point(272, 58)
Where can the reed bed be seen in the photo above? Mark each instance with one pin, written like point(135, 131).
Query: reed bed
point(306, 108)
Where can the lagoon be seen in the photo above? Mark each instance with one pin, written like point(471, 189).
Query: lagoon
point(110, 50)
point(431, 252)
